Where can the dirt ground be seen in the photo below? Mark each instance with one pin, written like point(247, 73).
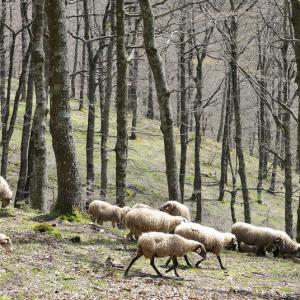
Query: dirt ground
point(44, 266)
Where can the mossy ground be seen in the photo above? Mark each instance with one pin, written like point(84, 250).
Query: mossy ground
point(44, 266)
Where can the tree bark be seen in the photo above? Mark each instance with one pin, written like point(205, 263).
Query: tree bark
point(23, 9)
point(23, 172)
point(163, 96)
point(150, 109)
point(68, 180)
point(106, 106)
point(2, 60)
point(296, 25)
point(122, 101)
point(82, 76)
point(39, 179)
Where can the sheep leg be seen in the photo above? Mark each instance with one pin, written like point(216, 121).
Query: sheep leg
point(175, 265)
point(187, 261)
point(220, 262)
point(168, 261)
point(198, 263)
point(154, 267)
point(132, 262)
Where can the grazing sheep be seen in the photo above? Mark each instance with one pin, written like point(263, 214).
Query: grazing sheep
point(287, 247)
point(5, 192)
point(101, 211)
point(141, 205)
point(175, 208)
point(5, 243)
point(141, 220)
point(260, 237)
point(214, 241)
point(158, 244)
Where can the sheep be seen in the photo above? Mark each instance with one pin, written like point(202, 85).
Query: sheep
point(158, 244)
point(5, 243)
point(260, 237)
point(100, 211)
point(286, 247)
point(140, 220)
point(5, 193)
point(214, 241)
point(140, 205)
point(176, 208)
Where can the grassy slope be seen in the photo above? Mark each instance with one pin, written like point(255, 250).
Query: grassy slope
point(42, 264)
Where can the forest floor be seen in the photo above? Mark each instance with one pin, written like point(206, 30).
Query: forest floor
point(50, 265)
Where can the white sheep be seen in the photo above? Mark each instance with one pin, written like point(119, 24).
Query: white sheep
point(176, 208)
point(101, 211)
point(286, 247)
point(214, 241)
point(140, 205)
point(5, 192)
point(141, 220)
point(260, 237)
point(158, 244)
point(5, 243)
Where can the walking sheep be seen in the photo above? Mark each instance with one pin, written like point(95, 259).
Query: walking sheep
point(5, 243)
point(214, 241)
point(141, 220)
point(158, 244)
point(5, 192)
point(260, 237)
point(101, 211)
point(176, 208)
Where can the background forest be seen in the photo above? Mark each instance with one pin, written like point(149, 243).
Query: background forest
point(149, 101)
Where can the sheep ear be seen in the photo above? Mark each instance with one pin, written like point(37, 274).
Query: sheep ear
point(4, 241)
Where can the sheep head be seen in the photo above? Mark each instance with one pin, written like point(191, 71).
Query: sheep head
point(200, 249)
point(6, 244)
point(168, 207)
point(230, 241)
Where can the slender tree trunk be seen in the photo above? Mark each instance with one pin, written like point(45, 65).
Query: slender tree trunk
point(82, 76)
point(39, 180)
point(73, 78)
point(122, 101)
point(163, 96)
point(150, 112)
point(106, 106)
point(2, 61)
point(133, 93)
point(225, 140)
point(296, 25)
point(23, 173)
point(238, 126)
point(68, 180)
point(23, 9)
point(221, 126)
point(183, 125)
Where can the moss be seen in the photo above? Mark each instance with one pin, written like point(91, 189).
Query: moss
point(77, 216)
point(45, 227)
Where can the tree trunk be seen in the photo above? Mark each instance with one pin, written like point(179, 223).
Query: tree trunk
point(2, 61)
point(238, 126)
point(68, 180)
point(39, 180)
point(73, 78)
point(122, 101)
point(133, 93)
point(183, 124)
point(23, 173)
point(106, 106)
point(150, 111)
point(82, 76)
point(225, 141)
point(23, 9)
point(163, 96)
point(221, 126)
point(296, 25)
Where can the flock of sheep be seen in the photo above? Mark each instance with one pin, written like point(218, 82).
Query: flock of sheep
point(169, 232)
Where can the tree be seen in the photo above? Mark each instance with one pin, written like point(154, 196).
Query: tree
point(163, 97)
point(296, 25)
point(68, 180)
point(122, 99)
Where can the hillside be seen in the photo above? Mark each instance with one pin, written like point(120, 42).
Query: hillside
point(52, 267)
